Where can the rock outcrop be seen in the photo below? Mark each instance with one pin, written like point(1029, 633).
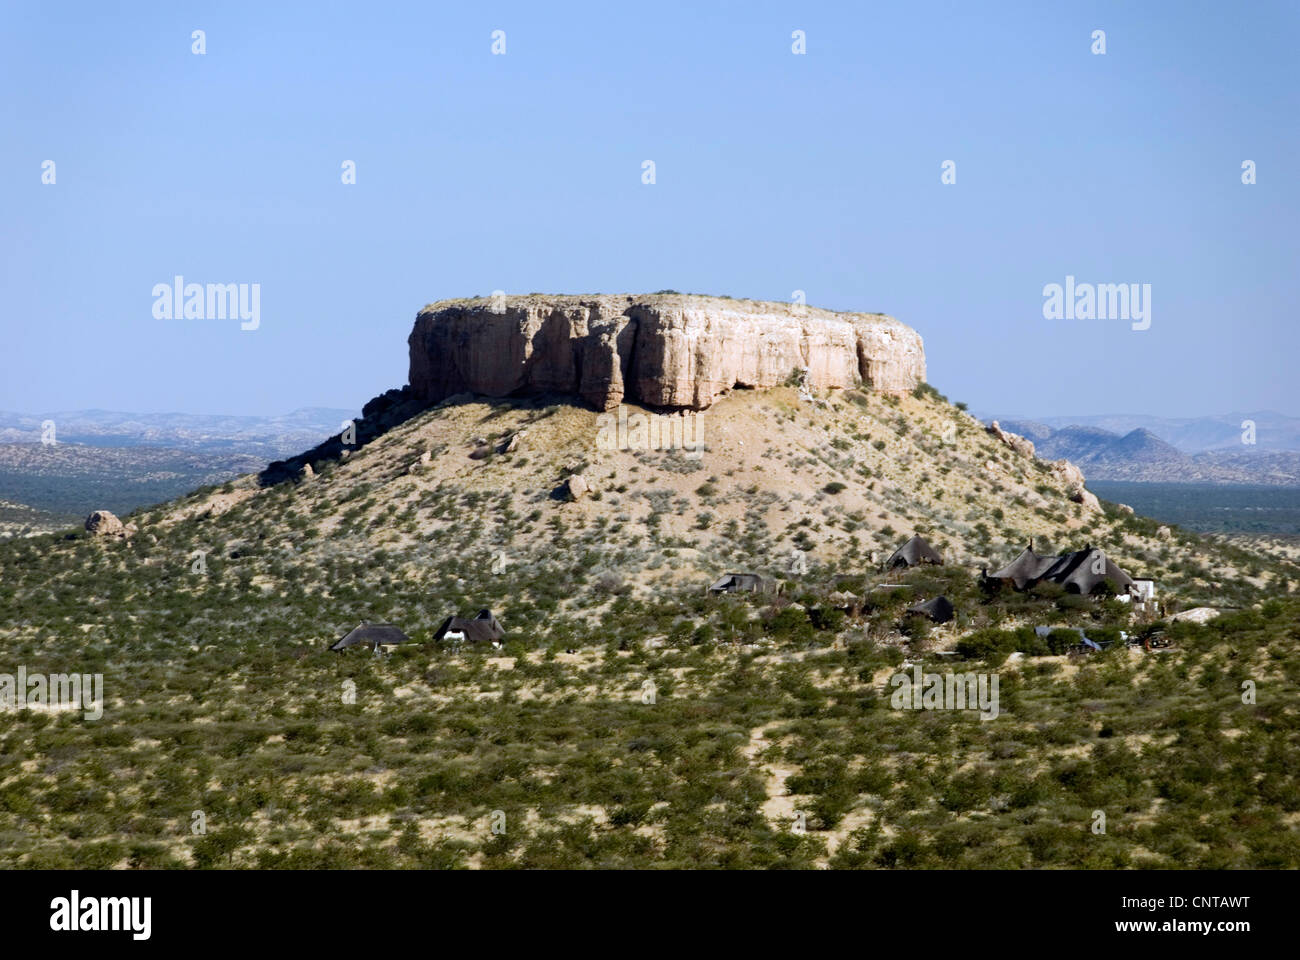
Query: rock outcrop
point(378, 416)
point(102, 523)
point(660, 350)
point(1196, 615)
point(1021, 445)
point(574, 488)
point(1072, 477)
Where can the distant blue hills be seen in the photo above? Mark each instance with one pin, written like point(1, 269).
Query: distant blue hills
point(1273, 431)
point(1149, 449)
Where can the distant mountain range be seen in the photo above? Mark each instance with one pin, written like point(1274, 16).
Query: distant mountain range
point(1158, 450)
point(266, 437)
point(1273, 431)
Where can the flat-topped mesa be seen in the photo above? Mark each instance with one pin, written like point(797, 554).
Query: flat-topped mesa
point(660, 350)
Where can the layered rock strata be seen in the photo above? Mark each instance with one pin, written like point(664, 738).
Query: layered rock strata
point(660, 350)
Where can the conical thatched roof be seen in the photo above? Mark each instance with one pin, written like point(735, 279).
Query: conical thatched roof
point(1084, 570)
point(1026, 570)
point(915, 551)
point(1080, 571)
point(372, 635)
point(483, 628)
point(939, 609)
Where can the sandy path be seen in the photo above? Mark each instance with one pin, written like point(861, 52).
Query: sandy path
point(778, 808)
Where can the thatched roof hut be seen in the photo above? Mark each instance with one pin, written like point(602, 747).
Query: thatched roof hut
point(913, 553)
point(483, 628)
point(372, 635)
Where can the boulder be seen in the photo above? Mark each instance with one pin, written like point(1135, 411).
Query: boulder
point(1072, 477)
point(575, 487)
point(1195, 615)
point(1066, 472)
point(1015, 441)
point(102, 523)
point(1081, 494)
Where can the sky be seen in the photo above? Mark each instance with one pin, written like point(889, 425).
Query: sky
point(774, 172)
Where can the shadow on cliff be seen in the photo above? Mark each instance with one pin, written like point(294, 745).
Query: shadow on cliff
point(381, 414)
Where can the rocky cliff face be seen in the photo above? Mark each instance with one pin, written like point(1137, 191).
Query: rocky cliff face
point(661, 350)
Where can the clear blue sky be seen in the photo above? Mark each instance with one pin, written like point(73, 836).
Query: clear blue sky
point(775, 172)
